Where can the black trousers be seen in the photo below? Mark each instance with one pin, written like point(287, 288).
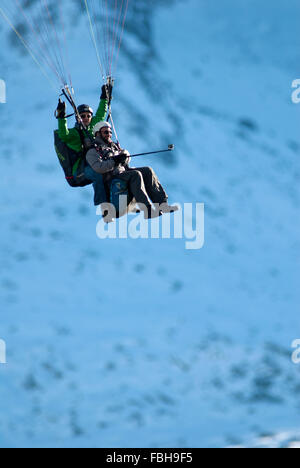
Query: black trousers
point(144, 185)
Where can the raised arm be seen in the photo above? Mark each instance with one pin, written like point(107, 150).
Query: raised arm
point(103, 106)
point(63, 131)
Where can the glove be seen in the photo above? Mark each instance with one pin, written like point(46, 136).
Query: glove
point(61, 110)
point(122, 158)
point(106, 91)
point(128, 158)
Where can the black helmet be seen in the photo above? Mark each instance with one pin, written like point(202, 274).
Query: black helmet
point(84, 108)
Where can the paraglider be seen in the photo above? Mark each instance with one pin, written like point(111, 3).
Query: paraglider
point(86, 152)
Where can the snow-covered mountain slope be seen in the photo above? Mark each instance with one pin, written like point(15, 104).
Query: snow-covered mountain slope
point(131, 343)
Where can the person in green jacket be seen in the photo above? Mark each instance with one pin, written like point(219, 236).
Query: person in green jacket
point(71, 136)
point(73, 139)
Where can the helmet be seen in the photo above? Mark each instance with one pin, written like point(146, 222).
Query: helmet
point(84, 108)
point(100, 125)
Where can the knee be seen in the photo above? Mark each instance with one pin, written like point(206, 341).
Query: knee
point(94, 176)
point(150, 173)
point(99, 178)
point(136, 175)
point(149, 170)
point(89, 173)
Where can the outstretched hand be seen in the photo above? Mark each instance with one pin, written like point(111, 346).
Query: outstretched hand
point(106, 91)
point(61, 109)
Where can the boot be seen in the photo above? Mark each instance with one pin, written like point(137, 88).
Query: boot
point(107, 217)
point(152, 213)
point(166, 208)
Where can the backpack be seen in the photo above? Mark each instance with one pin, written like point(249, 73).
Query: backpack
point(72, 162)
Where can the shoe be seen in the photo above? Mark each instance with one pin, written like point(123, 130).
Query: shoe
point(166, 209)
point(152, 213)
point(107, 218)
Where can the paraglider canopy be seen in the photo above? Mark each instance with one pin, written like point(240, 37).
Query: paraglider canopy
point(41, 27)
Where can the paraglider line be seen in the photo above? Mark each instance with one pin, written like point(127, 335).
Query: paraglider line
point(93, 38)
point(43, 47)
point(60, 58)
point(27, 47)
point(122, 32)
point(116, 36)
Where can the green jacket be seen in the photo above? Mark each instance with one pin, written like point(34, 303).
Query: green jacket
point(71, 137)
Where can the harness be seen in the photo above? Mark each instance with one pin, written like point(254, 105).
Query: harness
point(104, 153)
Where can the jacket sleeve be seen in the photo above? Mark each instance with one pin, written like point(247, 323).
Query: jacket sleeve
point(63, 131)
point(97, 164)
point(101, 112)
point(70, 137)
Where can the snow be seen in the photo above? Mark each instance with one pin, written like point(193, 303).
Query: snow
point(141, 343)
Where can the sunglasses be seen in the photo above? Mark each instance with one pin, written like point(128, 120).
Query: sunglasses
point(107, 132)
point(84, 116)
